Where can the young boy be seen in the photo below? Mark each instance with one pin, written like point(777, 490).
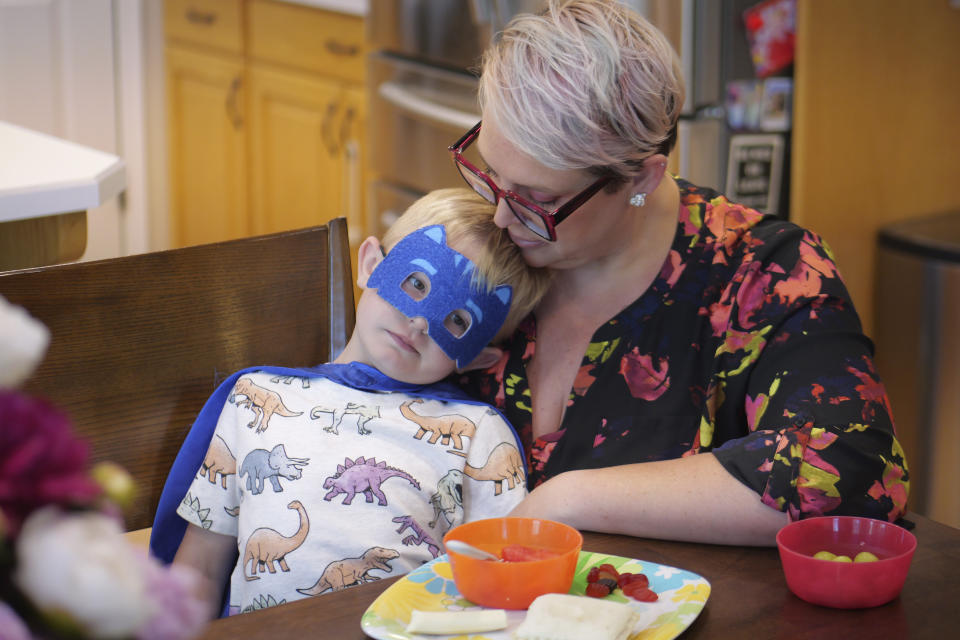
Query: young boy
point(332, 476)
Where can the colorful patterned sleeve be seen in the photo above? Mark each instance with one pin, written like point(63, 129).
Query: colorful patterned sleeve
point(821, 436)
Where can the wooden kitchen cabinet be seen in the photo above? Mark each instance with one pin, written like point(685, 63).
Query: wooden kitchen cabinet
point(876, 98)
point(266, 128)
point(875, 109)
point(295, 167)
point(207, 147)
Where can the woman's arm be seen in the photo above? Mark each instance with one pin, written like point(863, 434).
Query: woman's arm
point(691, 499)
point(212, 555)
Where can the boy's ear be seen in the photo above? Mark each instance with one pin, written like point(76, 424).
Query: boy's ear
point(484, 360)
point(368, 257)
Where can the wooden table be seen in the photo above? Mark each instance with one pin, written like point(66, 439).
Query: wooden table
point(749, 597)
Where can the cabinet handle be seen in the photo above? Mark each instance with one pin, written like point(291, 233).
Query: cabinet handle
point(233, 112)
point(326, 129)
point(340, 49)
point(204, 18)
point(346, 125)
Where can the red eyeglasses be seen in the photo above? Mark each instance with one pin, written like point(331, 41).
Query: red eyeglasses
point(536, 218)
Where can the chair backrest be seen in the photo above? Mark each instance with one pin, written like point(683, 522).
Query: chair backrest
point(138, 343)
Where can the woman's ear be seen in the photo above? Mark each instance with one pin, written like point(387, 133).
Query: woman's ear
point(649, 179)
point(486, 359)
point(368, 257)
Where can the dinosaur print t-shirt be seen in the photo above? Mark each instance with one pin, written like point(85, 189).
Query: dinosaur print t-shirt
point(325, 486)
point(746, 345)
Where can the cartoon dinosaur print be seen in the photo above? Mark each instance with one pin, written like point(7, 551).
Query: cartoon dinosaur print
point(220, 460)
point(260, 602)
point(260, 465)
point(418, 537)
point(363, 476)
point(365, 412)
point(448, 499)
point(304, 382)
point(197, 512)
point(266, 546)
point(503, 463)
point(340, 574)
point(448, 427)
point(264, 403)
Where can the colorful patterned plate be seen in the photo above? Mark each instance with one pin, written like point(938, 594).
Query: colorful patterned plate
point(431, 588)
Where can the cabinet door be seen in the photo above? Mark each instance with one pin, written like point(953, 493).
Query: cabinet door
point(297, 171)
point(208, 185)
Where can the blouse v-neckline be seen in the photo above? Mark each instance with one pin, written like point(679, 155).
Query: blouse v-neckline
point(654, 294)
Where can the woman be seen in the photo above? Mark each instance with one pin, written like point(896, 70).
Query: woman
point(678, 323)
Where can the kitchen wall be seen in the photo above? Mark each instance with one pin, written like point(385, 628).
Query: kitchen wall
point(91, 72)
point(58, 75)
point(155, 151)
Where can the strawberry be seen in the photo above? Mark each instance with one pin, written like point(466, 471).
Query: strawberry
point(632, 578)
point(521, 553)
point(641, 593)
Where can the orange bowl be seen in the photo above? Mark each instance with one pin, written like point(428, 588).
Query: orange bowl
point(845, 585)
point(514, 585)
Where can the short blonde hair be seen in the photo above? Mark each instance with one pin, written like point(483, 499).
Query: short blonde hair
point(466, 215)
point(585, 84)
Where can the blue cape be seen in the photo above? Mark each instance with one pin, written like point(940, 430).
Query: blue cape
point(168, 527)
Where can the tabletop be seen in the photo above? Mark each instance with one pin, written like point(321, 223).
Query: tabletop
point(749, 597)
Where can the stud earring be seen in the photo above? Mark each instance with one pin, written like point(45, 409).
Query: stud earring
point(638, 199)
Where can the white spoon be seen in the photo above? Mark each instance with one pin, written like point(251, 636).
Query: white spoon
point(461, 547)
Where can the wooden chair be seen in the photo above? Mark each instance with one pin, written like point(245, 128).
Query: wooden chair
point(138, 343)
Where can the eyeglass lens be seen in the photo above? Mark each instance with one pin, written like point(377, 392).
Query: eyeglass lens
point(529, 218)
point(478, 184)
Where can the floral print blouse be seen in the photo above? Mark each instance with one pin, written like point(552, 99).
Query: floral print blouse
point(747, 345)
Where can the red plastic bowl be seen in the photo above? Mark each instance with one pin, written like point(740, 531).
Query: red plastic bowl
point(845, 585)
point(514, 585)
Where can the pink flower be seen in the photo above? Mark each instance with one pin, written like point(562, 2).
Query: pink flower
point(41, 461)
point(645, 380)
point(806, 277)
point(76, 569)
point(672, 268)
point(11, 626)
point(180, 614)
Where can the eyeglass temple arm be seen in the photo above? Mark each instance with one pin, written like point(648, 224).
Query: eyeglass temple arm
point(459, 143)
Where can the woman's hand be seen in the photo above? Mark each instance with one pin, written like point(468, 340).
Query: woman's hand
point(693, 499)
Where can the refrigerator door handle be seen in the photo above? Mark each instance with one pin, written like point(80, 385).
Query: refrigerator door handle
point(397, 95)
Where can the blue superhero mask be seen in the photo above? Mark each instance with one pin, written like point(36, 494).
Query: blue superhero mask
point(422, 276)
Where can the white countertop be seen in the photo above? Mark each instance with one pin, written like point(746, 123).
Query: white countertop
point(356, 7)
point(42, 175)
